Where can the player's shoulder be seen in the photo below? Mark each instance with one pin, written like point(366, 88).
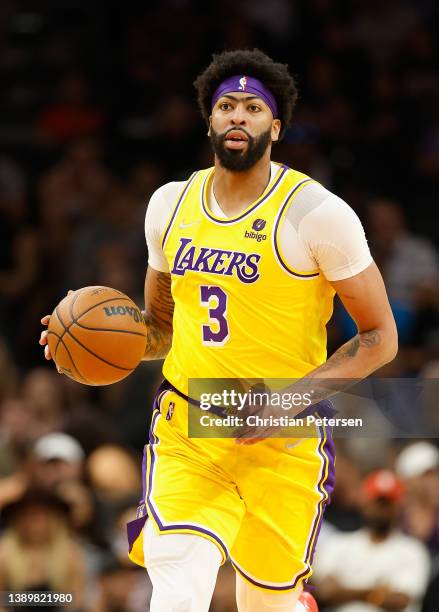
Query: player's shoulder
point(317, 204)
point(167, 192)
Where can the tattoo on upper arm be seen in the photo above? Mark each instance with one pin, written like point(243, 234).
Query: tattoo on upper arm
point(159, 318)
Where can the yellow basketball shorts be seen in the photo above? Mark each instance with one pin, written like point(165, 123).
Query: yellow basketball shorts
point(261, 504)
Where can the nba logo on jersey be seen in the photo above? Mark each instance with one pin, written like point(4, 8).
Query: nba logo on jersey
point(242, 83)
point(170, 411)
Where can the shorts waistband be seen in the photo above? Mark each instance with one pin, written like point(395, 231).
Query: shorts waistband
point(324, 408)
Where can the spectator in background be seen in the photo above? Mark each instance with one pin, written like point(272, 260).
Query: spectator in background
point(378, 567)
point(37, 551)
point(123, 586)
point(19, 255)
point(73, 115)
point(418, 466)
point(121, 589)
point(56, 459)
point(408, 262)
point(8, 372)
point(113, 474)
point(42, 394)
point(343, 512)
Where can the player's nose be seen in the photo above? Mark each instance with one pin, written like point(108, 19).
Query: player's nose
point(238, 116)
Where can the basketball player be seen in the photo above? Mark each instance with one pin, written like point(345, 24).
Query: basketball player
point(244, 262)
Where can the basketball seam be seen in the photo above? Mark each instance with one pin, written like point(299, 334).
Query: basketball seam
point(62, 323)
point(62, 335)
point(60, 340)
point(118, 331)
point(67, 330)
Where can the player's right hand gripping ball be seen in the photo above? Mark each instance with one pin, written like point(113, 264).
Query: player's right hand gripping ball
point(97, 335)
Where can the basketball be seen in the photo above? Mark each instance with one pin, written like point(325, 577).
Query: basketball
point(97, 335)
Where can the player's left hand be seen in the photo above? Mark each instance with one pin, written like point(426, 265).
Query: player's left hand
point(252, 435)
point(249, 435)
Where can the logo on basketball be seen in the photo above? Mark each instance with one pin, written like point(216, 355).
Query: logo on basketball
point(124, 310)
point(242, 83)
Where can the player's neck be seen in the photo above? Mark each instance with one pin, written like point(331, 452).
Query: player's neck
point(235, 191)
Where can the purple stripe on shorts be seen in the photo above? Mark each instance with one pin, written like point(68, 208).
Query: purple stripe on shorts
point(180, 199)
point(133, 530)
point(247, 212)
point(276, 226)
point(325, 486)
point(153, 440)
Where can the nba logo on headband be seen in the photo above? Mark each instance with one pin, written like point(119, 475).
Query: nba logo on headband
point(249, 85)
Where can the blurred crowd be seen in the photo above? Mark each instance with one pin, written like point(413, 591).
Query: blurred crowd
point(97, 110)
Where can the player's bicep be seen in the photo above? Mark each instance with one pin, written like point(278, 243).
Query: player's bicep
point(335, 237)
point(365, 298)
point(159, 303)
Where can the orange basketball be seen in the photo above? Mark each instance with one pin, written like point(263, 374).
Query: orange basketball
point(97, 335)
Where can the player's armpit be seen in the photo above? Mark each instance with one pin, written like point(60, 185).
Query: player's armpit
point(158, 313)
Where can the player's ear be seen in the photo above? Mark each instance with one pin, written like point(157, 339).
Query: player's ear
point(275, 130)
point(210, 125)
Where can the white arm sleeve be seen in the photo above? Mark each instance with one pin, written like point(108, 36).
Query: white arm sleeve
point(158, 213)
point(321, 230)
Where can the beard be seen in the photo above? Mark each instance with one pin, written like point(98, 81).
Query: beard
point(236, 160)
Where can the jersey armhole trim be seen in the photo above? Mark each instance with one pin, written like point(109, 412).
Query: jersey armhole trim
point(276, 243)
point(177, 206)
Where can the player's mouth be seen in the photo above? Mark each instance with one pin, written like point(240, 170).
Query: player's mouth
point(236, 139)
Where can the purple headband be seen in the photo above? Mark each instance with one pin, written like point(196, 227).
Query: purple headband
point(249, 85)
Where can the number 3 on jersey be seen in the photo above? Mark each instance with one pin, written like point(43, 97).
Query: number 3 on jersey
point(217, 332)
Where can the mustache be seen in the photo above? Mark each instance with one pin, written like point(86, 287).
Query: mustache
point(244, 131)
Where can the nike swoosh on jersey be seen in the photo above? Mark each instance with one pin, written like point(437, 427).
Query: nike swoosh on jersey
point(184, 225)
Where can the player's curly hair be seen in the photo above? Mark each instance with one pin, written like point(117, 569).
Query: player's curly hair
point(257, 64)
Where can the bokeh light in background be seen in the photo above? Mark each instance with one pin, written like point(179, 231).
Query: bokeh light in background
point(97, 110)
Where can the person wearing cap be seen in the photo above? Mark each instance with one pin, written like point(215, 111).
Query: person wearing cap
point(377, 567)
point(56, 458)
point(418, 466)
point(244, 260)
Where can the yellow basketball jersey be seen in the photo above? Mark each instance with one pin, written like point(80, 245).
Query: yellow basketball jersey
point(240, 310)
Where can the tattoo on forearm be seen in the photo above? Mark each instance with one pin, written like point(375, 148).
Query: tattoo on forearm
point(349, 350)
point(159, 318)
point(370, 338)
point(324, 388)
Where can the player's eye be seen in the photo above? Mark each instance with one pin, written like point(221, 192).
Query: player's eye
point(254, 108)
point(225, 106)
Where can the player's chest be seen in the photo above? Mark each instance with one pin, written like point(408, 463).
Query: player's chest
point(241, 251)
